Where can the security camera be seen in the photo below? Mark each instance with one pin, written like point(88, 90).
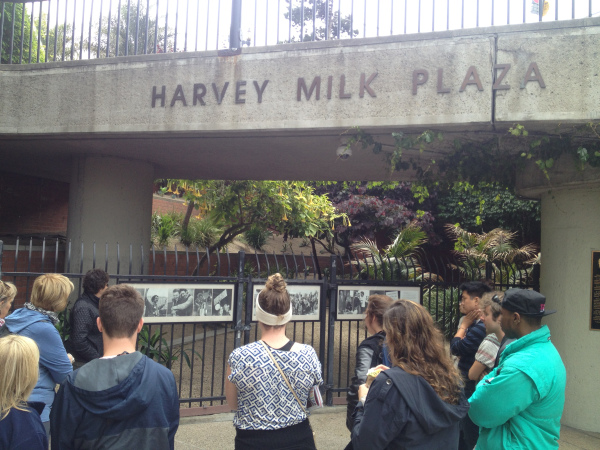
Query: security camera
point(344, 152)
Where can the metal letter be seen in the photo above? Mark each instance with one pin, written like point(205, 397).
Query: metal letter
point(329, 86)
point(316, 85)
point(239, 92)
point(533, 74)
point(497, 86)
point(260, 90)
point(216, 91)
point(343, 87)
point(440, 85)
point(365, 85)
point(420, 76)
point(161, 96)
point(178, 95)
point(471, 73)
point(198, 97)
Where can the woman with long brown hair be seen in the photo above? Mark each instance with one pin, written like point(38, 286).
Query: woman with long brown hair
point(418, 402)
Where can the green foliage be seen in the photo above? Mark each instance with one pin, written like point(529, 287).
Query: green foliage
point(327, 22)
point(202, 232)
point(64, 324)
point(132, 35)
point(495, 248)
point(164, 227)
point(396, 261)
point(488, 205)
point(443, 305)
point(16, 22)
point(256, 237)
point(491, 159)
point(155, 346)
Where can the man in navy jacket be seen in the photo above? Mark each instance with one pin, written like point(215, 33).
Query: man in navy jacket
point(465, 343)
point(123, 400)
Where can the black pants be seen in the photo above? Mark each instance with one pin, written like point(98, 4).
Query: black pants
point(469, 432)
point(295, 437)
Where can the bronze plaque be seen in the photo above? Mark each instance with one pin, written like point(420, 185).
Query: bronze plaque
point(595, 300)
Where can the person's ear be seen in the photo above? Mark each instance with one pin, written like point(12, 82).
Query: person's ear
point(516, 318)
point(140, 325)
point(99, 324)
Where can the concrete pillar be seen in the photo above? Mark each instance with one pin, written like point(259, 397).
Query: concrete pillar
point(110, 201)
point(570, 231)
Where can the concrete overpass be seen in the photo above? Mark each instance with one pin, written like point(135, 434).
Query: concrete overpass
point(111, 126)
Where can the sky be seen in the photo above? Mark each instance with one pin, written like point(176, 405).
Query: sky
point(204, 24)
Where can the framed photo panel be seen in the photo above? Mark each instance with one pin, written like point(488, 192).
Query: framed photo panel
point(306, 301)
point(186, 302)
point(352, 300)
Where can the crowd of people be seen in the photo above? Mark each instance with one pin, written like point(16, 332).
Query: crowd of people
point(500, 384)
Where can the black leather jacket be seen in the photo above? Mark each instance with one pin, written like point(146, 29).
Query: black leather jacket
point(369, 354)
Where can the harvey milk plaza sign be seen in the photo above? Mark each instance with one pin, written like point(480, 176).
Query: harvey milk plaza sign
point(109, 127)
point(303, 92)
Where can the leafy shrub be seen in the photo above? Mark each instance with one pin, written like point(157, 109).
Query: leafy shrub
point(201, 232)
point(164, 227)
point(256, 237)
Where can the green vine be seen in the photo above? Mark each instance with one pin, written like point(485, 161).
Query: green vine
point(490, 158)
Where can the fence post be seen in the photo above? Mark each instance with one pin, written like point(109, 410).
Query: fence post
point(239, 301)
point(331, 331)
point(1, 256)
point(488, 270)
point(235, 40)
point(535, 275)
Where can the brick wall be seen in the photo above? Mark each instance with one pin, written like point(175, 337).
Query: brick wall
point(31, 205)
point(163, 205)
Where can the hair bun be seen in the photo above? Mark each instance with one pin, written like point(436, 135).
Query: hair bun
point(276, 283)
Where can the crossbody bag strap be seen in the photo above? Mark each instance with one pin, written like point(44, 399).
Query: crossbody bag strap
point(283, 375)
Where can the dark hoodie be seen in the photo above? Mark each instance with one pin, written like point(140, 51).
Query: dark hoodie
point(125, 402)
point(402, 411)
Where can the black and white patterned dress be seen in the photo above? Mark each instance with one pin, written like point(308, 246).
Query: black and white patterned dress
point(264, 399)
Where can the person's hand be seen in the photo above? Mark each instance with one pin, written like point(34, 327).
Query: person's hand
point(382, 367)
point(471, 317)
point(363, 390)
point(71, 359)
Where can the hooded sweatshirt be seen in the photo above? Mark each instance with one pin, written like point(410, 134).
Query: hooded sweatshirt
point(54, 362)
point(519, 404)
point(124, 402)
point(402, 411)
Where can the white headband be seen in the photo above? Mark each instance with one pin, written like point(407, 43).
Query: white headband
point(272, 319)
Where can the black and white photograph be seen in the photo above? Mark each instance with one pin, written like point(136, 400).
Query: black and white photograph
point(306, 301)
point(168, 303)
point(352, 302)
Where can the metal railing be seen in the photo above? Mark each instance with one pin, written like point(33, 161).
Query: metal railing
point(197, 352)
point(40, 31)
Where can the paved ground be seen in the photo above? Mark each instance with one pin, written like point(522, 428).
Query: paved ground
point(329, 424)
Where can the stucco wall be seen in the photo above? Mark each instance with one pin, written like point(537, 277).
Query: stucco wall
point(570, 232)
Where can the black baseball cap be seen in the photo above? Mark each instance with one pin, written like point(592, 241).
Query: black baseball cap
point(526, 302)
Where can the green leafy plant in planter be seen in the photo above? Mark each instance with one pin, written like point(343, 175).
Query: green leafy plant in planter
point(155, 347)
point(64, 325)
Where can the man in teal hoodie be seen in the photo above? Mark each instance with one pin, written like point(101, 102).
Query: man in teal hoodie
point(519, 404)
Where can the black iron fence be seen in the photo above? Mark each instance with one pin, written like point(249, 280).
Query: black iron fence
point(40, 31)
point(197, 350)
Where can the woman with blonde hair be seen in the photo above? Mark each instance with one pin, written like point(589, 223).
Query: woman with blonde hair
point(418, 402)
point(20, 424)
point(268, 382)
point(8, 292)
point(36, 320)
